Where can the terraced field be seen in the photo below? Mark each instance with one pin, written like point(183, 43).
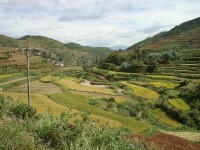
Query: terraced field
point(191, 136)
point(168, 85)
point(80, 103)
point(142, 91)
point(41, 102)
point(37, 87)
point(74, 84)
point(162, 117)
point(8, 77)
point(189, 68)
point(179, 103)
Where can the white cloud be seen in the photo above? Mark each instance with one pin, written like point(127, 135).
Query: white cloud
point(101, 22)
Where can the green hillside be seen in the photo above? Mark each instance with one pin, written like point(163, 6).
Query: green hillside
point(185, 35)
point(168, 52)
point(167, 63)
point(53, 49)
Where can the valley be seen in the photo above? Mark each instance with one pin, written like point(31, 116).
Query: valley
point(151, 89)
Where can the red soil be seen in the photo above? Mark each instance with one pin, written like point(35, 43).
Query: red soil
point(164, 141)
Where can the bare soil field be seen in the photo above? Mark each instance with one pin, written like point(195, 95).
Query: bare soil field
point(164, 141)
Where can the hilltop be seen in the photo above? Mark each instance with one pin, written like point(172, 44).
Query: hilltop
point(183, 36)
point(178, 46)
point(70, 54)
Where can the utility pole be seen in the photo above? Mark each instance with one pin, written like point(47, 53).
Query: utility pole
point(28, 78)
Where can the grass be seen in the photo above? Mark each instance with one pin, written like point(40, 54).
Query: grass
point(179, 103)
point(41, 102)
point(162, 117)
point(168, 85)
point(142, 91)
point(72, 84)
point(46, 79)
point(8, 77)
point(80, 103)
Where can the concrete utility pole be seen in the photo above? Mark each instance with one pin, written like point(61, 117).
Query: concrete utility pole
point(28, 78)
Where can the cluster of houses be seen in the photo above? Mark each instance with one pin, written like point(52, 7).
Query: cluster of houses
point(37, 52)
point(58, 63)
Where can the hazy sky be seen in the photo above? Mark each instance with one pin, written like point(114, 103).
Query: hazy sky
point(94, 22)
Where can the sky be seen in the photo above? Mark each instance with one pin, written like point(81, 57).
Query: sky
point(94, 22)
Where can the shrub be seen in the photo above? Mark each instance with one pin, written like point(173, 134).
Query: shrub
point(93, 102)
point(20, 110)
point(23, 111)
point(49, 130)
point(107, 66)
point(151, 68)
point(184, 83)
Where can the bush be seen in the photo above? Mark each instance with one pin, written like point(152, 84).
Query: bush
point(151, 68)
point(60, 135)
point(20, 110)
point(132, 66)
point(93, 102)
point(107, 66)
point(23, 111)
point(184, 83)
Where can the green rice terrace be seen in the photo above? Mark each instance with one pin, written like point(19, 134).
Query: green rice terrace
point(131, 99)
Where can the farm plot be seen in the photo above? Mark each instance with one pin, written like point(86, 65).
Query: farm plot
point(73, 84)
point(191, 136)
point(162, 117)
point(161, 76)
point(142, 91)
point(10, 77)
point(118, 98)
point(169, 85)
point(45, 106)
point(179, 103)
point(80, 103)
point(37, 87)
point(164, 141)
point(41, 102)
